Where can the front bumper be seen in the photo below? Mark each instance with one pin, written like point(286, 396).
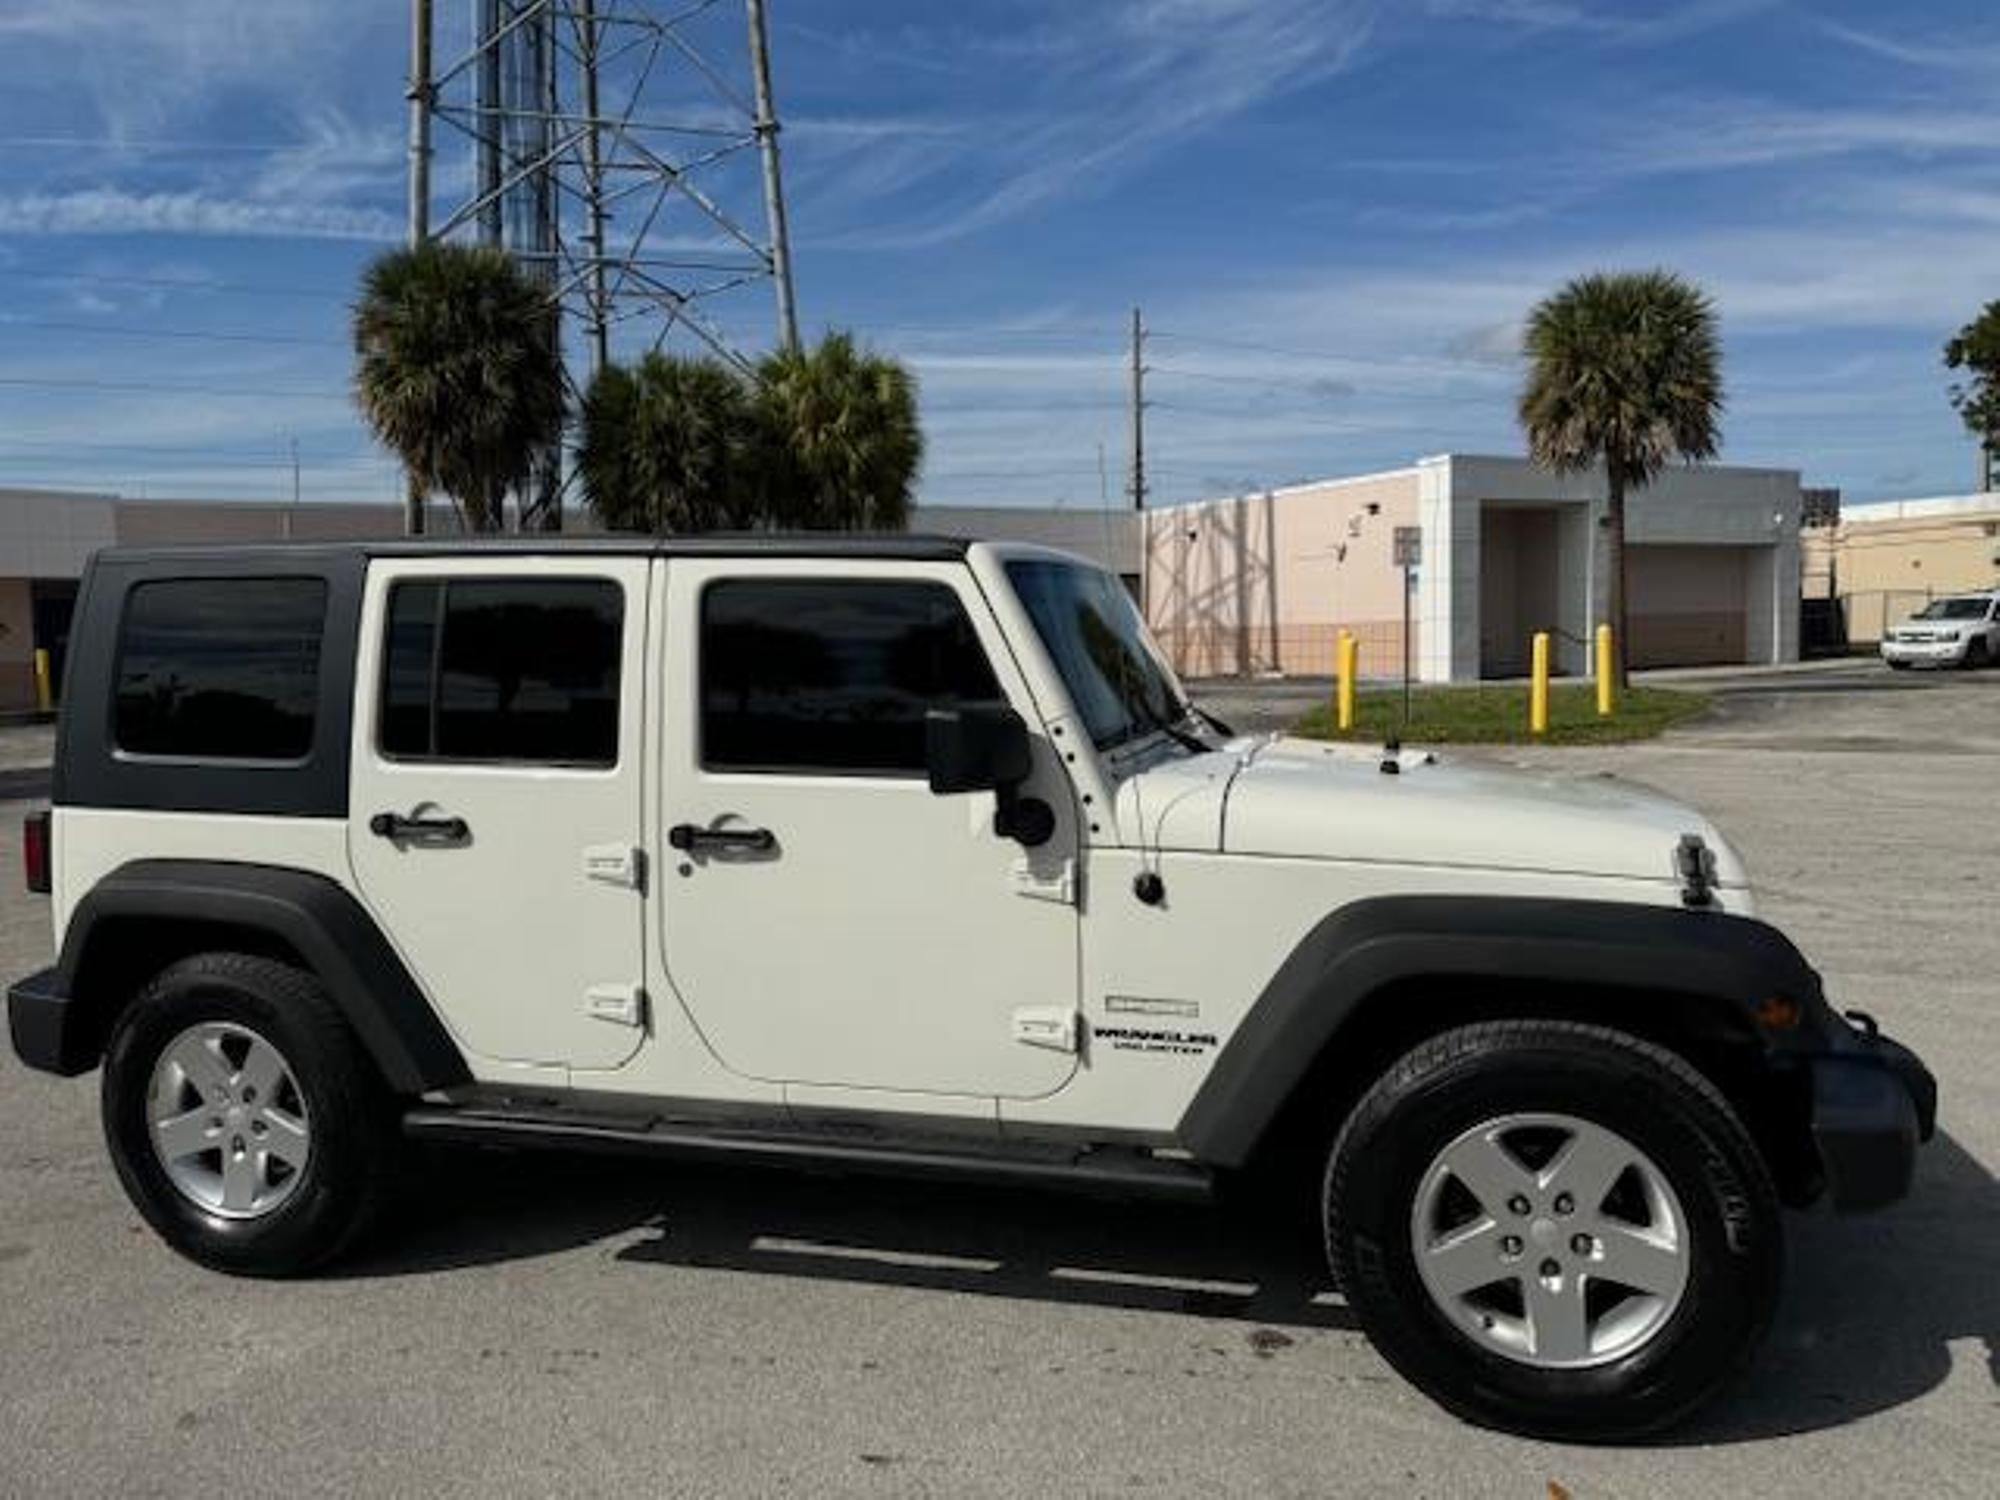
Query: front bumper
point(1924, 653)
point(47, 1028)
point(1873, 1102)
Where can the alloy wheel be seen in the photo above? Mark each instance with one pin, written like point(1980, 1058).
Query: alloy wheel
point(228, 1121)
point(1550, 1240)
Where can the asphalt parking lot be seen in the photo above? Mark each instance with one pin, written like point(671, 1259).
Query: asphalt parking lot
point(545, 1325)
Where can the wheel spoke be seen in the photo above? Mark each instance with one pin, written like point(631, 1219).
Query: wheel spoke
point(262, 1070)
point(242, 1176)
point(287, 1138)
point(1466, 1259)
point(1633, 1258)
point(186, 1134)
point(1492, 1176)
point(201, 1062)
point(1586, 1167)
point(1558, 1325)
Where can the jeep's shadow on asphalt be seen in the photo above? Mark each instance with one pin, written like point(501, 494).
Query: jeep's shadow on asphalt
point(1871, 1309)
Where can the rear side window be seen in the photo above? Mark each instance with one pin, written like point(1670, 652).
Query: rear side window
point(503, 669)
point(219, 668)
point(831, 677)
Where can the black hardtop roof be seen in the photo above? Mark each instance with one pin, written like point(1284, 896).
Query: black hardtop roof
point(886, 546)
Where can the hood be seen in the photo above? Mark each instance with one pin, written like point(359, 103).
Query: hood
point(1309, 800)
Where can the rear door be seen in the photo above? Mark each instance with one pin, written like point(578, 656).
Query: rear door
point(496, 785)
point(881, 937)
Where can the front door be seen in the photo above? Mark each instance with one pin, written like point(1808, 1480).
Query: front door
point(495, 810)
point(854, 930)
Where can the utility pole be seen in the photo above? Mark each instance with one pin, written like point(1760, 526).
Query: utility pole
point(1138, 486)
point(765, 123)
point(420, 193)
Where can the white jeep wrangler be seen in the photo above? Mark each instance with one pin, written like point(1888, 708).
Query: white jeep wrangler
point(909, 854)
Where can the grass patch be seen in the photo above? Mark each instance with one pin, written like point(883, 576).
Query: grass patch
point(1497, 715)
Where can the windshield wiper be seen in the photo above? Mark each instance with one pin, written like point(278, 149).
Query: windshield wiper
point(1151, 718)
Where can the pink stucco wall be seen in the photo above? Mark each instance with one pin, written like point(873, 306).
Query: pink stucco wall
point(1264, 582)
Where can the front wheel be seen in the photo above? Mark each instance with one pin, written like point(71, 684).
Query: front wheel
point(1977, 654)
point(1555, 1229)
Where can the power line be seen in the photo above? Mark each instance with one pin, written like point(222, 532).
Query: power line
point(1246, 345)
point(184, 284)
point(153, 146)
point(126, 330)
point(243, 392)
point(203, 461)
point(94, 445)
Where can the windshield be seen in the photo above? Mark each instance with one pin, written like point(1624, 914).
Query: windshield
point(1953, 609)
point(1114, 672)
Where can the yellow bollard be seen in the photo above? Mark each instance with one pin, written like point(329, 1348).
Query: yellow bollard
point(1607, 688)
point(45, 696)
point(1346, 655)
point(1538, 687)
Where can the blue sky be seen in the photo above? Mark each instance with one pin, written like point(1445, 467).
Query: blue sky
point(1333, 212)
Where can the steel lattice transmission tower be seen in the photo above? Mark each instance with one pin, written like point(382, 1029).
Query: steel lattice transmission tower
point(610, 145)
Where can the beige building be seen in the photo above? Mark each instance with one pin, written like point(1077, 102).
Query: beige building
point(1262, 583)
point(1885, 561)
point(46, 537)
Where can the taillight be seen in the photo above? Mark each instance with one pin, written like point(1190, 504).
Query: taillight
point(35, 851)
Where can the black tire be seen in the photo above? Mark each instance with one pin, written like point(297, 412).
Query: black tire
point(348, 1178)
point(1898, 666)
point(1976, 654)
point(1655, 1101)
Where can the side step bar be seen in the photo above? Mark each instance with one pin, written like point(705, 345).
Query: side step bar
point(1113, 1173)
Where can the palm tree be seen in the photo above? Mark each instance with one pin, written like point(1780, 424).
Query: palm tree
point(457, 369)
point(671, 445)
point(1624, 369)
point(841, 425)
point(1975, 349)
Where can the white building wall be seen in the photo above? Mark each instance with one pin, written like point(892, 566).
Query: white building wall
point(1713, 506)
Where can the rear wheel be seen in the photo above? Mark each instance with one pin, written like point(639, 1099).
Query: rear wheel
point(244, 1121)
point(1552, 1228)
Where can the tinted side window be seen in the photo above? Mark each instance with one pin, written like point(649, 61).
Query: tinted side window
point(219, 668)
point(503, 669)
point(833, 676)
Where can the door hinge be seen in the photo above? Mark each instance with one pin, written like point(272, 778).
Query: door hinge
point(1055, 882)
point(616, 864)
point(1050, 1026)
point(620, 1004)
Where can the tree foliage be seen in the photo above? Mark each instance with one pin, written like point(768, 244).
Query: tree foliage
point(841, 429)
point(458, 370)
point(822, 438)
point(673, 445)
point(1975, 349)
point(1624, 370)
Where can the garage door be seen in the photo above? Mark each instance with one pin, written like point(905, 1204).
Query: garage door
point(1687, 606)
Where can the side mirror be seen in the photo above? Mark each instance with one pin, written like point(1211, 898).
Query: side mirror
point(983, 747)
point(976, 747)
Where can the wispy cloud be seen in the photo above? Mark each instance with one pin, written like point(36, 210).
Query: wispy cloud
point(141, 61)
point(1975, 55)
point(1618, 21)
point(117, 211)
point(1122, 83)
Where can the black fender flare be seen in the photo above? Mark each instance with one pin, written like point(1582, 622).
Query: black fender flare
point(1364, 948)
point(311, 915)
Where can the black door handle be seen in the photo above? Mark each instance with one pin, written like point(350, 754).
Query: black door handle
point(689, 838)
point(430, 830)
